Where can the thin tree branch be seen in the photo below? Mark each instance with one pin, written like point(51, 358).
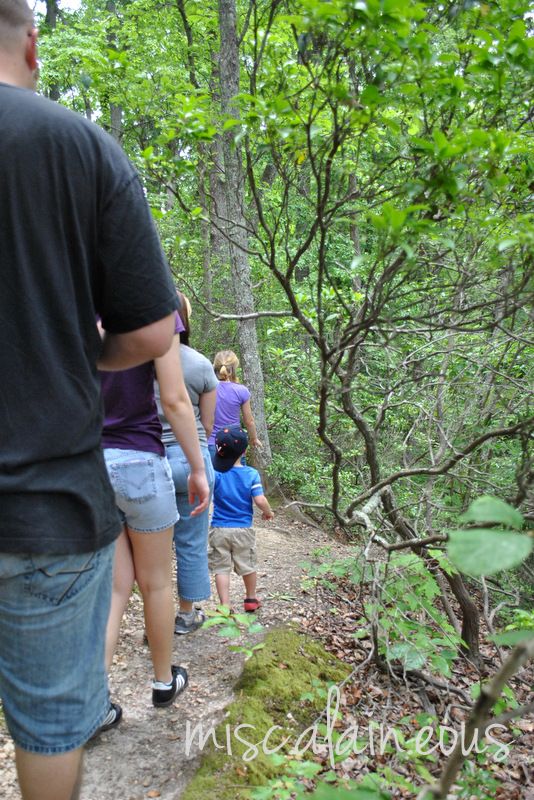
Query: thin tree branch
point(489, 694)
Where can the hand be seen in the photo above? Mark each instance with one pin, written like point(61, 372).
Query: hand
point(197, 485)
point(267, 515)
point(256, 443)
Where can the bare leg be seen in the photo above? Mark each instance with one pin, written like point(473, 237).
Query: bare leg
point(222, 582)
point(152, 555)
point(186, 606)
point(123, 581)
point(250, 584)
point(55, 777)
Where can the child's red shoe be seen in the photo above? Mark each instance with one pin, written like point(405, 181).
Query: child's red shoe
point(251, 604)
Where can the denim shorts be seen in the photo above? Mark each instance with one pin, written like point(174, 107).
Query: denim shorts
point(144, 489)
point(53, 616)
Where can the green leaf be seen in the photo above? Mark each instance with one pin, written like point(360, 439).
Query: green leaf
point(487, 551)
point(370, 96)
point(305, 769)
point(243, 619)
point(229, 631)
point(489, 509)
point(518, 31)
point(505, 244)
point(211, 621)
point(511, 638)
point(238, 648)
point(325, 792)
point(256, 627)
point(231, 123)
point(411, 657)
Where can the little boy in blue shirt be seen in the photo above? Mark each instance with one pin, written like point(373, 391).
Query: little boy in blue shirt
point(232, 541)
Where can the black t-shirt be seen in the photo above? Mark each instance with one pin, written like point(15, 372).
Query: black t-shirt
point(76, 239)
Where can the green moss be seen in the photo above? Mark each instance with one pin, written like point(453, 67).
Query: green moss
point(271, 687)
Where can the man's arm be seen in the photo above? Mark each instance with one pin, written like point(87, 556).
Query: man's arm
point(125, 350)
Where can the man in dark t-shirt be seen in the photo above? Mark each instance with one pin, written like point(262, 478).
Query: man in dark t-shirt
point(76, 240)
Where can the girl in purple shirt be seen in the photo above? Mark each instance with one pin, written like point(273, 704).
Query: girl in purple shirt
point(233, 399)
point(144, 491)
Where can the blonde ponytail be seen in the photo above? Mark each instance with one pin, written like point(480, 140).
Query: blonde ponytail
point(226, 364)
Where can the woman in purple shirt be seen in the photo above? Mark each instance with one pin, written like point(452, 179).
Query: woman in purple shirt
point(144, 491)
point(233, 399)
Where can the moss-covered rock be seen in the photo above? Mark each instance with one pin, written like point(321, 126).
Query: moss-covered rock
point(271, 687)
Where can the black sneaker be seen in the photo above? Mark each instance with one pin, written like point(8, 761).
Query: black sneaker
point(161, 698)
point(111, 720)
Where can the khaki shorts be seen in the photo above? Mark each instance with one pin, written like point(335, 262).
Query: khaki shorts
point(229, 546)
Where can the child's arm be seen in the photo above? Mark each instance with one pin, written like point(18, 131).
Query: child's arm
point(263, 504)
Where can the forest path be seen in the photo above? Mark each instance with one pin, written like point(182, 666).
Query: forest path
point(145, 757)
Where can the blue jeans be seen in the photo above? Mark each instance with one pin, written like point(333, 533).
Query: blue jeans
point(53, 615)
point(190, 533)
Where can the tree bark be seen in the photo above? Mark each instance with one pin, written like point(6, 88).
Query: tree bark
point(115, 111)
point(478, 719)
point(51, 22)
point(236, 224)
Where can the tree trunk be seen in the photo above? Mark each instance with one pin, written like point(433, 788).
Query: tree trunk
point(115, 111)
point(220, 255)
point(235, 224)
point(51, 22)
point(206, 249)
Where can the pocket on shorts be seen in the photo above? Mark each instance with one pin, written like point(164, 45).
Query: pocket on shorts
point(164, 465)
point(56, 578)
point(134, 480)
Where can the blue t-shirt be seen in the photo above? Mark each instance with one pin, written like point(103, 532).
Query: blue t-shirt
point(232, 497)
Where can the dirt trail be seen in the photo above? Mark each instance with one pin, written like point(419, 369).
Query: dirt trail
point(145, 757)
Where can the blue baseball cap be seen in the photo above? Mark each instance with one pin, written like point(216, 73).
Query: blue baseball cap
point(230, 443)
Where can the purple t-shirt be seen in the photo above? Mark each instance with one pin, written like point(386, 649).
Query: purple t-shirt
point(131, 419)
point(230, 398)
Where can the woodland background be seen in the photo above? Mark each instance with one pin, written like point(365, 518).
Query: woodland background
point(344, 190)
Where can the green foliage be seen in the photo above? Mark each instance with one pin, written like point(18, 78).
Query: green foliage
point(485, 551)
point(412, 629)
point(506, 701)
point(511, 638)
point(493, 510)
point(521, 629)
point(361, 790)
point(270, 687)
point(389, 167)
point(477, 781)
point(523, 619)
point(389, 172)
point(235, 626)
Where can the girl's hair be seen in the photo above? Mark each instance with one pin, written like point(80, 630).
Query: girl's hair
point(225, 365)
point(184, 312)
